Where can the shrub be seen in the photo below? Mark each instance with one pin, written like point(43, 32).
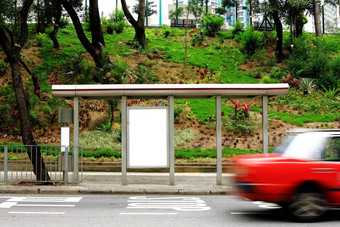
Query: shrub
point(251, 40)
point(212, 24)
point(64, 21)
point(331, 93)
point(331, 78)
point(238, 28)
point(144, 75)
point(119, 73)
point(100, 140)
point(300, 55)
point(277, 73)
point(306, 85)
point(183, 113)
point(182, 137)
point(197, 37)
point(40, 39)
point(115, 23)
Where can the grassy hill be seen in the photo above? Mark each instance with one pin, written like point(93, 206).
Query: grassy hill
point(220, 59)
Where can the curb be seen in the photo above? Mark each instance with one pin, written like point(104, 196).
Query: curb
point(116, 190)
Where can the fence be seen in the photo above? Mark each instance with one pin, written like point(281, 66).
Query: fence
point(16, 163)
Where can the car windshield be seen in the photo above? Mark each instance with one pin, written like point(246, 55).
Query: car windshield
point(303, 146)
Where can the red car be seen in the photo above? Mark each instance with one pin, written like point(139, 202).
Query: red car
point(302, 174)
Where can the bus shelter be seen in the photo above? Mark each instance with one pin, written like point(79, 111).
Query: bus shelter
point(163, 117)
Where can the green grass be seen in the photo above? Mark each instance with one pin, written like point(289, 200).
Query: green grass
point(211, 152)
point(300, 120)
point(204, 108)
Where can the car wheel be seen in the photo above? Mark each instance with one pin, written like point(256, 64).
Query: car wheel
point(308, 206)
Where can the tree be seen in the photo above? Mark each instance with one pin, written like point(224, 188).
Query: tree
point(274, 10)
point(97, 46)
point(151, 11)
point(138, 24)
point(174, 14)
point(12, 42)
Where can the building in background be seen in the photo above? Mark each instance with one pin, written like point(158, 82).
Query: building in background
point(330, 22)
point(331, 13)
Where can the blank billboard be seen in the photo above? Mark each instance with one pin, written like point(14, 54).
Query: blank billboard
point(148, 143)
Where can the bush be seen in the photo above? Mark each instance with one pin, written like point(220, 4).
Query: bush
point(116, 22)
point(182, 137)
point(64, 21)
point(251, 40)
point(100, 140)
point(238, 28)
point(197, 37)
point(297, 63)
point(331, 78)
point(212, 24)
point(183, 113)
point(306, 85)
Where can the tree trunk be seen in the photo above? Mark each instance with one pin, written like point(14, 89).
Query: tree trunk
point(279, 31)
point(33, 151)
point(317, 21)
point(95, 25)
point(139, 24)
point(299, 26)
point(12, 51)
point(53, 34)
point(91, 49)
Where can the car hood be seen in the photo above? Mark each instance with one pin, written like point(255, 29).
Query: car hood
point(261, 158)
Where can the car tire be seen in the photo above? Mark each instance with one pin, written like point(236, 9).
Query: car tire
point(308, 207)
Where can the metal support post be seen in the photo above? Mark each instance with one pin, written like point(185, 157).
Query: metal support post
point(265, 123)
point(218, 141)
point(76, 137)
point(5, 165)
point(124, 141)
point(160, 13)
point(66, 166)
point(171, 140)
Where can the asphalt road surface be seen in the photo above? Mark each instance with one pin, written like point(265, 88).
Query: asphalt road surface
point(149, 210)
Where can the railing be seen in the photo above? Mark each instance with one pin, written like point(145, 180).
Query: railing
point(51, 164)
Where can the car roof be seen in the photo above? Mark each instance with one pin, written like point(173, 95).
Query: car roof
point(322, 131)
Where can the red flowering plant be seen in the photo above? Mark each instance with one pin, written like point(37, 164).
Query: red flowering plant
point(245, 110)
point(197, 37)
point(236, 108)
point(291, 81)
point(208, 76)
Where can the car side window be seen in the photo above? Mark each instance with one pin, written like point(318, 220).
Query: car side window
point(332, 150)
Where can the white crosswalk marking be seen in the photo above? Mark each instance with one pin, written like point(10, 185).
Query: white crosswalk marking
point(39, 202)
point(175, 203)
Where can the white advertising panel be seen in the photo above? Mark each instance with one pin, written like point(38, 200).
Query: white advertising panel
point(148, 137)
point(65, 138)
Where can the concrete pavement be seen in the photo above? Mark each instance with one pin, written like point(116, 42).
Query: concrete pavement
point(137, 183)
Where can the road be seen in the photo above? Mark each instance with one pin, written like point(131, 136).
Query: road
point(149, 210)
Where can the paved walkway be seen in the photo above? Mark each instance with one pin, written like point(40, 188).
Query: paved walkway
point(137, 183)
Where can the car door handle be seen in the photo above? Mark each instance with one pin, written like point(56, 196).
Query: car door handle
point(323, 170)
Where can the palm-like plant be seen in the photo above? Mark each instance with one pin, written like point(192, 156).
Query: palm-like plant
point(306, 85)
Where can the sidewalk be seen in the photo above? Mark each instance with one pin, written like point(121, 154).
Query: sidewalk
point(137, 183)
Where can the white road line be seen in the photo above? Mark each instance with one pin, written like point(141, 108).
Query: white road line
point(7, 204)
point(148, 213)
point(13, 212)
point(45, 199)
point(42, 205)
